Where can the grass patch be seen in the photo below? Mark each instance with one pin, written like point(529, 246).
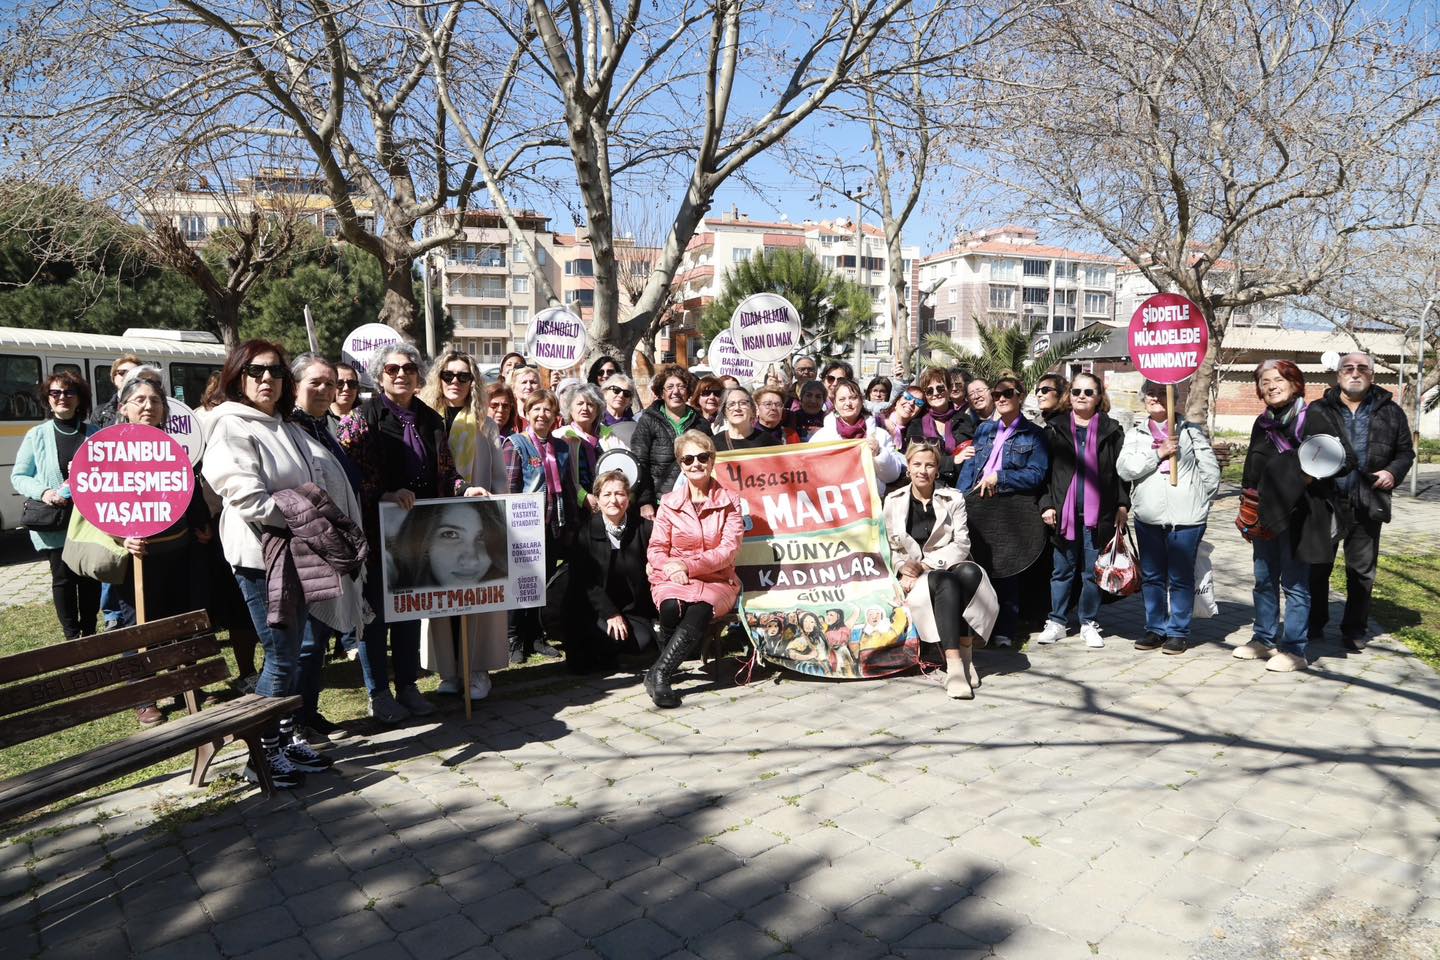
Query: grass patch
point(1406, 600)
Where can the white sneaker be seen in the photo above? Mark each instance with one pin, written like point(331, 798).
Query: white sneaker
point(450, 685)
point(1091, 635)
point(479, 685)
point(1053, 632)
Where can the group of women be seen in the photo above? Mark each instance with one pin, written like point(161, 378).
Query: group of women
point(977, 493)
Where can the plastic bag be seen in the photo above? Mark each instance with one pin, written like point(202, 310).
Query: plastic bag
point(1115, 569)
point(1205, 605)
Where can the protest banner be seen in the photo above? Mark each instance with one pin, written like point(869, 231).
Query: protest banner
point(557, 339)
point(818, 595)
point(462, 555)
point(765, 326)
point(132, 480)
point(1169, 338)
point(361, 344)
point(727, 361)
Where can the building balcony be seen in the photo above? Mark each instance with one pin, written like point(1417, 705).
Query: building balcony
point(482, 328)
point(478, 299)
point(475, 266)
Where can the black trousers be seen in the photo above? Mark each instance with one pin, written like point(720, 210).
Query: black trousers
point(1360, 537)
point(77, 598)
point(674, 614)
point(950, 593)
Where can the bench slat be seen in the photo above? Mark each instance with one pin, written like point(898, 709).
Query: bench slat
point(97, 676)
point(39, 723)
point(31, 663)
point(72, 775)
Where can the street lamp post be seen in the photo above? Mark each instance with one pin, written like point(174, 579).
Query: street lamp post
point(1419, 394)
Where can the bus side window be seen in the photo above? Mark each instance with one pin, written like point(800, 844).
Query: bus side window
point(188, 380)
point(20, 388)
point(104, 389)
point(68, 368)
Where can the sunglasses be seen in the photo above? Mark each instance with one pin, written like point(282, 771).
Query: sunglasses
point(912, 398)
point(1082, 391)
point(1354, 368)
point(937, 391)
point(619, 392)
point(608, 372)
point(452, 376)
point(500, 405)
point(690, 459)
point(1006, 394)
point(394, 370)
point(709, 393)
point(1045, 391)
point(834, 377)
point(67, 392)
point(805, 371)
point(256, 371)
point(347, 384)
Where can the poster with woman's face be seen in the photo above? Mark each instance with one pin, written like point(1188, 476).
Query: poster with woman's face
point(463, 555)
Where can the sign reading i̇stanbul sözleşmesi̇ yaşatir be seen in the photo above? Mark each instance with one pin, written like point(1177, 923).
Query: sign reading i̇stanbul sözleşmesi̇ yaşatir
point(131, 480)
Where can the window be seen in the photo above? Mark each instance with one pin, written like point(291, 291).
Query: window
point(188, 380)
point(585, 298)
point(492, 350)
point(1062, 323)
point(517, 255)
point(1003, 271)
point(1065, 298)
point(492, 256)
point(1036, 296)
point(541, 257)
point(829, 261)
point(876, 292)
point(519, 314)
point(193, 228)
point(1037, 268)
point(492, 288)
point(492, 318)
point(1097, 276)
point(519, 284)
point(1002, 298)
point(1064, 270)
point(580, 268)
point(20, 388)
point(954, 294)
point(332, 225)
point(1097, 303)
point(740, 254)
point(222, 223)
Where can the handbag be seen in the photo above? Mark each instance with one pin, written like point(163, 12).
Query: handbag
point(1115, 569)
point(1205, 605)
point(91, 553)
point(39, 515)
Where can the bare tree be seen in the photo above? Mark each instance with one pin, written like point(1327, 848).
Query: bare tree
point(123, 96)
point(1279, 134)
point(620, 75)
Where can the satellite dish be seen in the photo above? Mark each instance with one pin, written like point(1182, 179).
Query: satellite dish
point(1330, 360)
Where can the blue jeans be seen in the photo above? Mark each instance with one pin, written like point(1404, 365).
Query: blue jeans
point(1167, 576)
point(1277, 570)
point(280, 677)
point(404, 644)
point(1075, 562)
point(313, 647)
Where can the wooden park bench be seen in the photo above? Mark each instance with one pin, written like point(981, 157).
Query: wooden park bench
point(68, 684)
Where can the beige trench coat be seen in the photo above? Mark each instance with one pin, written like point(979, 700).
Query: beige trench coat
point(948, 547)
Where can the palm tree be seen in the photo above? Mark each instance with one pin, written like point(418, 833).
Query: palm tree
point(834, 312)
point(1005, 347)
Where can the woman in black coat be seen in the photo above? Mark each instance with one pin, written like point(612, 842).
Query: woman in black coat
point(608, 600)
point(653, 442)
point(1082, 507)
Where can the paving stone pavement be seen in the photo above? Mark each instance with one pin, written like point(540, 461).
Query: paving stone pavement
point(1087, 803)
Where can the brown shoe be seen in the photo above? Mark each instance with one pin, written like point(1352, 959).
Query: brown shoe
point(149, 715)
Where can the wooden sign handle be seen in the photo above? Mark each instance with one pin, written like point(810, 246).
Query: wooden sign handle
point(1170, 431)
point(139, 589)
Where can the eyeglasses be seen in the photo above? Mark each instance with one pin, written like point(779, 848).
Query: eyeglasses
point(690, 459)
point(1083, 391)
point(347, 385)
point(451, 376)
point(1005, 394)
point(145, 401)
point(619, 392)
point(257, 371)
point(498, 405)
point(394, 370)
point(770, 404)
point(1045, 391)
point(61, 394)
point(938, 390)
point(805, 371)
point(738, 405)
point(1355, 368)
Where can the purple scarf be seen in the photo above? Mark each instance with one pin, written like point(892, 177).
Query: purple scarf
point(1275, 426)
point(1159, 433)
point(850, 431)
point(997, 452)
point(1087, 477)
point(554, 488)
point(414, 446)
point(610, 421)
point(931, 432)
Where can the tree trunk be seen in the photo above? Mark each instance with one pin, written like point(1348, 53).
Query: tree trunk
point(227, 320)
point(1197, 405)
point(399, 309)
point(901, 315)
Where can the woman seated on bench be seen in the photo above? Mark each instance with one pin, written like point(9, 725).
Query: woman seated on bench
point(692, 560)
point(608, 600)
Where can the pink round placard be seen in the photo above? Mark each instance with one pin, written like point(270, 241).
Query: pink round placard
point(1168, 338)
point(131, 480)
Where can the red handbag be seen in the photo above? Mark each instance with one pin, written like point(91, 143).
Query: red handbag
point(1116, 571)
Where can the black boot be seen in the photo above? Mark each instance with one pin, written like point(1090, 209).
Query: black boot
point(683, 644)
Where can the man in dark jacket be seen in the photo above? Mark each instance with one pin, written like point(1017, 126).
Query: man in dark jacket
point(1379, 434)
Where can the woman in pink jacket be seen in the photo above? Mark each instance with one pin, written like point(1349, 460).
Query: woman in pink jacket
point(691, 560)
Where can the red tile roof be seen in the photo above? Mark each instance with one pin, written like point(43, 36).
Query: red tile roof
point(783, 240)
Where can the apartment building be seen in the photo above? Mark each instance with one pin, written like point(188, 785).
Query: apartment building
point(722, 242)
point(201, 209)
point(1006, 276)
point(1133, 288)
